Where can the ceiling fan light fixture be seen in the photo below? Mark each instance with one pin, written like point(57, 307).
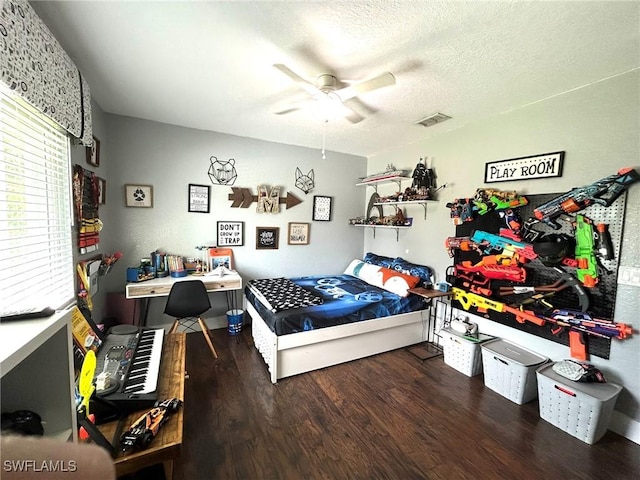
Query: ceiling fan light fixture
point(433, 119)
point(330, 95)
point(328, 105)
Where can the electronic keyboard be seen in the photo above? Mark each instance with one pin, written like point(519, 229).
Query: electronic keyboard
point(128, 366)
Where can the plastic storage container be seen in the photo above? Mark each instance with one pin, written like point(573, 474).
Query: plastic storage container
point(580, 409)
point(461, 353)
point(510, 370)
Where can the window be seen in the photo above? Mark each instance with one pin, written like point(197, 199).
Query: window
point(36, 259)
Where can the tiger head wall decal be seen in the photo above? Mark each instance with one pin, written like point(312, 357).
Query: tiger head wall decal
point(222, 172)
point(305, 182)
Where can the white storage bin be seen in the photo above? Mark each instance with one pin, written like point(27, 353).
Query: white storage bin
point(510, 370)
point(461, 353)
point(580, 409)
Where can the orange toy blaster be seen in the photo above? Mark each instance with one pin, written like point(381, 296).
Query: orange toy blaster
point(493, 271)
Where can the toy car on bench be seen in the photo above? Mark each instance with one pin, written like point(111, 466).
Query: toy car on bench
point(145, 428)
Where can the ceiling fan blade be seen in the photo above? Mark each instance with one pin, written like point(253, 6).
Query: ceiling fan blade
point(287, 110)
point(380, 81)
point(359, 106)
point(351, 115)
point(307, 86)
point(292, 106)
point(354, 117)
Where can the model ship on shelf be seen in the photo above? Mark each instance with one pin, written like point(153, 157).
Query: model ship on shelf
point(389, 173)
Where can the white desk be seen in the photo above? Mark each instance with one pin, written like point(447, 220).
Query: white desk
point(160, 287)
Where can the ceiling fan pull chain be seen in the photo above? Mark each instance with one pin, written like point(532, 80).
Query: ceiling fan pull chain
point(324, 132)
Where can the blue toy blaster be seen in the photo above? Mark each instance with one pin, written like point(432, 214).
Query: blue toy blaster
point(491, 241)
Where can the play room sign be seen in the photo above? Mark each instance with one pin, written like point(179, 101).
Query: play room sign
point(524, 168)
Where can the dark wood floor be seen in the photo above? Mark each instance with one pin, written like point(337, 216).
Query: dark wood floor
point(385, 417)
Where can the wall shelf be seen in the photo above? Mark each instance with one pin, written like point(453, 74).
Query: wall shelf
point(374, 183)
point(36, 362)
point(396, 204)
point(407, 202)
point(397, 228)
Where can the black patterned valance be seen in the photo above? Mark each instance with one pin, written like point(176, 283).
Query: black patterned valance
point(33, 64)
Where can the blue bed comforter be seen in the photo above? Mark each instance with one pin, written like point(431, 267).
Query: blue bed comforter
point(345, 299)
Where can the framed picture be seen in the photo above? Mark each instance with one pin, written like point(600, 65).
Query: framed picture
point(138, 195)
point(93, 153)
point(102, 191)
point(267, 238)
point(230, 234)
point(220, 257)
point(199, 198)
point(321, 208)
point(298, 234)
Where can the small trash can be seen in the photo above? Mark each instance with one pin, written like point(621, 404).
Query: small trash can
point(234, 321)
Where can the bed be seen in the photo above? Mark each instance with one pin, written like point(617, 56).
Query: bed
point(306, 323)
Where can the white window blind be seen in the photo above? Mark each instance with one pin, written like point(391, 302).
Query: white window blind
point(36, 259)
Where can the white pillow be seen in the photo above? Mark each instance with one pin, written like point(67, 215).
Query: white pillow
point(386, 278)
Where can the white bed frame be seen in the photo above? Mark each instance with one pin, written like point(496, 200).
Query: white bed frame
point(302, 352)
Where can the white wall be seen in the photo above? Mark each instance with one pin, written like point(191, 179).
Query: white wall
point(597, 126)
point(170, 157)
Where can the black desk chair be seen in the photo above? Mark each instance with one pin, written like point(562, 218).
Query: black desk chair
point(187, 301)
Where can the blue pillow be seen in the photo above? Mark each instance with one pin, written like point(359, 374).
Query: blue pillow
point(380, 260)
point(422, 271)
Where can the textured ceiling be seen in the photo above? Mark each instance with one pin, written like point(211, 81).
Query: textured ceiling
point(208, 65)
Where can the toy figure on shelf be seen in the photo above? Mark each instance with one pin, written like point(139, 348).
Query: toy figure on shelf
point(420, 193)
point(399, 218)
point(424, 179)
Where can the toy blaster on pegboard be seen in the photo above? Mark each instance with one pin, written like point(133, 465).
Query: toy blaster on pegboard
point(556, 275)
point(488, 200)
point(602, 192)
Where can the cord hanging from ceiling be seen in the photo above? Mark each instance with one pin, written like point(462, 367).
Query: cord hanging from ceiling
point(324, 136)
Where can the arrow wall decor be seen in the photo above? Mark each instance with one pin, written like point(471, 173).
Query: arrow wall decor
point(243, 198)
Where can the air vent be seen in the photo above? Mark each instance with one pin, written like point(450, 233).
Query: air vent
point(433, 119)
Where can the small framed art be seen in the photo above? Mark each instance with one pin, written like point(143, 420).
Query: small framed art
point(298, 234)
point(102, 191)
point(93, 153)
point(199, 198)
point(220, 257)
point(230, 234)
point(267, 238)
point(138, 195)
point(321, 208)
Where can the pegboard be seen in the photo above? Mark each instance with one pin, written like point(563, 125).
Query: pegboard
point(602, 297)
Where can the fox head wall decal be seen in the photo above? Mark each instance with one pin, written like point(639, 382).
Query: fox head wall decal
point(305, 182)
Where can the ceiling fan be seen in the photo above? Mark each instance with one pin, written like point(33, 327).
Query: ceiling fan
point(327, 95)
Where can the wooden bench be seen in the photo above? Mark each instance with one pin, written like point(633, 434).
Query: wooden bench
point(166, 446)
